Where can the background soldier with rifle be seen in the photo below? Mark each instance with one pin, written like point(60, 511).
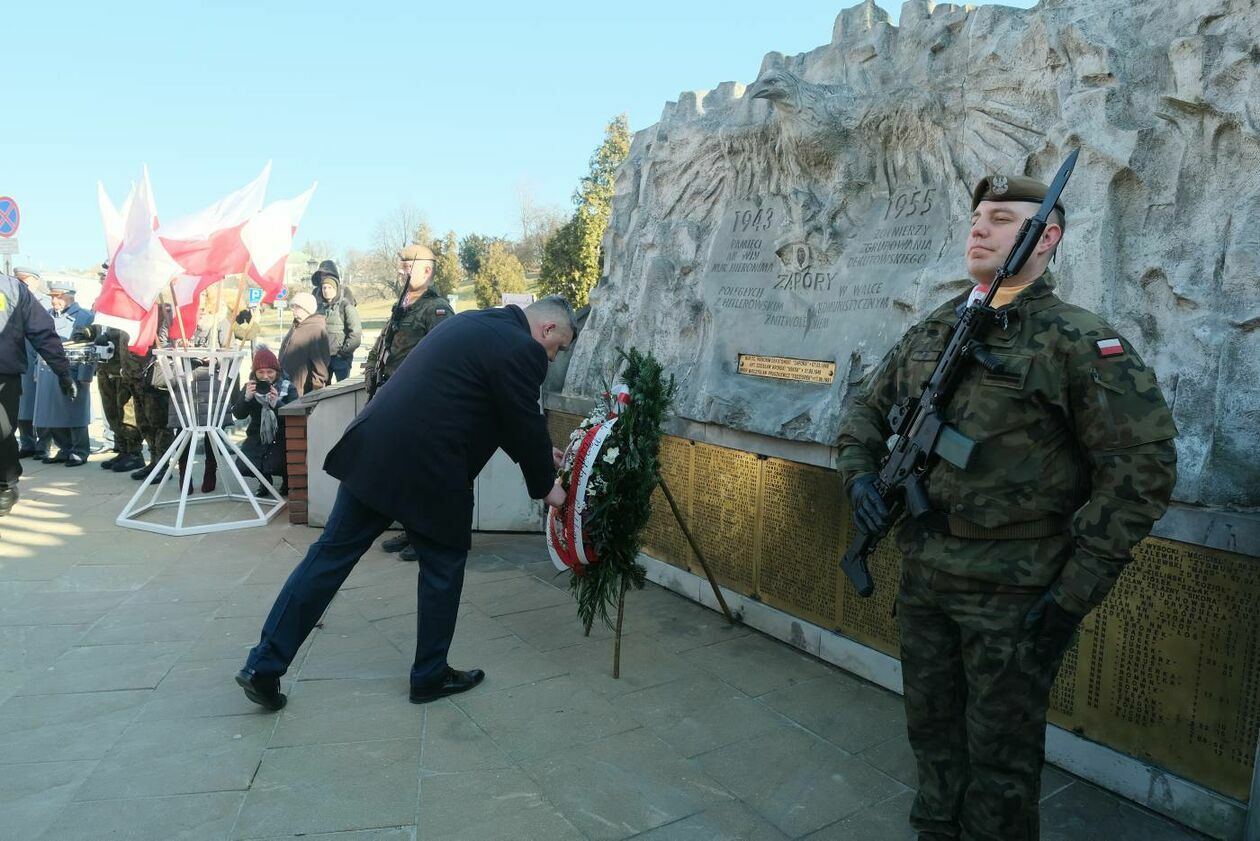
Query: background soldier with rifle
point(1032, 450)
point(419, 309)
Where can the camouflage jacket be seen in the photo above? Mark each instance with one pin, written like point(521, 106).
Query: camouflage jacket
point(1069, 429)
point(414, 323)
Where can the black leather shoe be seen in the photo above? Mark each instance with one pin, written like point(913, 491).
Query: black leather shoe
point(73, 460)
point(454, 683)
point(395, 544)
point(127, 463)
point(39, 455)
point(264, 691)
point(409, 555)
point(57, 459)
point(27, 452)
point(8, 499)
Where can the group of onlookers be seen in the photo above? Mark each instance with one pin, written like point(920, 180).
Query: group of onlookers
point(52, 426)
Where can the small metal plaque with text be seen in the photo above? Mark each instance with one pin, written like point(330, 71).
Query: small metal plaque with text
point(787, 368)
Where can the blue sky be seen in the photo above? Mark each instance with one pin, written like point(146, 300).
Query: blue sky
point(384, 102)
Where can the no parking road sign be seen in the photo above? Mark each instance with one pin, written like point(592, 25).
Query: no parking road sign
point(10, 218)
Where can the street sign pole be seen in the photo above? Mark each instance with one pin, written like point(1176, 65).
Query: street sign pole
point(10, 219)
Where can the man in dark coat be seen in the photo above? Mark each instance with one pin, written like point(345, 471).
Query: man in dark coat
point(22, 320)
point(470, 388)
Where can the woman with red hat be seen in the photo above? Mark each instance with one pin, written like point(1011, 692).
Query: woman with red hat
point(265, 392)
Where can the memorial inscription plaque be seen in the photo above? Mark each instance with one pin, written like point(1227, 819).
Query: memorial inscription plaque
point(725, 513)
point(791, 301)
point(799, 567)
point(784, 368)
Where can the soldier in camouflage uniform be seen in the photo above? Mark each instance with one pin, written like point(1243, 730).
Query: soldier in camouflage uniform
point(1075, 463)
point(152, 404)
point(420, 310)
point(117, 401)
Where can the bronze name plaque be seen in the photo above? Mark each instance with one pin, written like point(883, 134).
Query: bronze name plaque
point(787, 368)
point(1166, 670)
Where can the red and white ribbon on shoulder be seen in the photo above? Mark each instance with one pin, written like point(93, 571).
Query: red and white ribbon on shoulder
point(566, 531)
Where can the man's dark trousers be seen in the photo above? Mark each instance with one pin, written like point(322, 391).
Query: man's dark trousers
point(338, 368)
point(349, 532)
point(10, 467)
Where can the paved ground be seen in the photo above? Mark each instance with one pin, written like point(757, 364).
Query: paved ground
point(119, 718)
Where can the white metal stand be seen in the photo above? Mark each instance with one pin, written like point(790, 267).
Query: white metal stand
point(187, 369)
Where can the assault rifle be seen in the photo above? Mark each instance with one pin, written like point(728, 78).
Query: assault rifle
point(376, 376)
point(920, 433)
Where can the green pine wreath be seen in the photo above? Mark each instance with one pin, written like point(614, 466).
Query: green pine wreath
point(621, 503)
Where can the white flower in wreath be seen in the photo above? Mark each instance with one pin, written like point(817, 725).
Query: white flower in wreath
point(610, 455)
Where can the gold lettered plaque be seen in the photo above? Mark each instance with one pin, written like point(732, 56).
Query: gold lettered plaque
point(799, 566)
point(787, 368)
point(724, 513)
point(1168, 668)
point(559, 426)
point(662, 537)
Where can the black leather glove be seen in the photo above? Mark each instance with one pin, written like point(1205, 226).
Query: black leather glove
point(244, 317)
point(83, 334)
point(1051, 627)
point(68, 386)
point(869, 511)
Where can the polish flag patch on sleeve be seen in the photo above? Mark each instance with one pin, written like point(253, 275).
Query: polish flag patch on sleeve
point(1109, 347)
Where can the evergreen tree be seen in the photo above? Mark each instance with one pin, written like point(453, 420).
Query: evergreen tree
point(572, 255)
point(448, 273)
point(500, 272)
point(472, 250)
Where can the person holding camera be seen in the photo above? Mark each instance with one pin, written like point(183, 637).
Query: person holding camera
point(260, 400)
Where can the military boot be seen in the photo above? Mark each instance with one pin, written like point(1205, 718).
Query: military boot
point(127, 462)
point(8, 498)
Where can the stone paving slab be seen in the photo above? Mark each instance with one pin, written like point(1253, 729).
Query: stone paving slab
point(119, 718)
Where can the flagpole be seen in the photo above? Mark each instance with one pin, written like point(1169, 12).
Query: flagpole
point(242, 282)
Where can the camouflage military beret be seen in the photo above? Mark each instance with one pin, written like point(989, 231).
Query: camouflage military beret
point(1013, 188)
point(416, 252)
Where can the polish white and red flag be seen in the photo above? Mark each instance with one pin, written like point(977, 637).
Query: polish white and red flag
point(207, 244)
point(138, 271)
point(112, 218)
point(268, 238)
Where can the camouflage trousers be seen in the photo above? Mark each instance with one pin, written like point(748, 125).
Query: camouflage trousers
point(120, 411)
point(153, 408)
point(976, 694)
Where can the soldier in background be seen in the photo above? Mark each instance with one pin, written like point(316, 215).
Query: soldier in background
point(418, 311)
point(1075, 463)
point(153, 404)
point(65, 417)
point(33, 442)
point(116, 398)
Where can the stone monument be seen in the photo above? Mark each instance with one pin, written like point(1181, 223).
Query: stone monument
point(768, 243)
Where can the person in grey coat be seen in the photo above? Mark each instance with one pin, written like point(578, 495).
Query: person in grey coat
point(341, 317)
point(66, 418)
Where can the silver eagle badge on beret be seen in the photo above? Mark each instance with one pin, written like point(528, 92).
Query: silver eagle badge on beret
point(999, 185)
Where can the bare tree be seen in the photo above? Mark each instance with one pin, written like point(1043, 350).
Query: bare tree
point(538, 223)
point(377, 269)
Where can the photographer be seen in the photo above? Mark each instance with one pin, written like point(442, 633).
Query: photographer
point(265, 392)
